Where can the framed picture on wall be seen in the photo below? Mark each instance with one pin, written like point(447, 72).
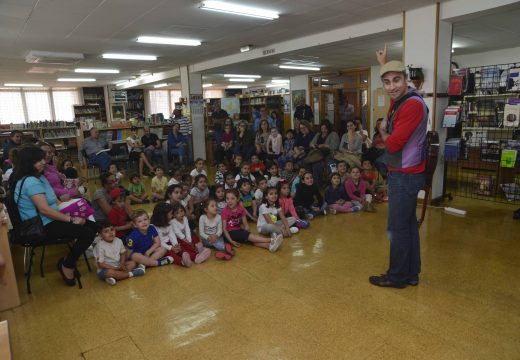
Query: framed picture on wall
point(297, 97)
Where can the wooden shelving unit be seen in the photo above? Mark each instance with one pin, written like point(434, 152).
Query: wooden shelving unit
point(96, 96)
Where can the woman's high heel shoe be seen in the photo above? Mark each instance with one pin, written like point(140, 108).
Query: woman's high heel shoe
point(68, 282)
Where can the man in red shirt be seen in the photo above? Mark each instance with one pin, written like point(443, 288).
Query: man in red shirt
point(404, 133)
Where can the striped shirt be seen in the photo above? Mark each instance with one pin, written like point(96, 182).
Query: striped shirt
point(186, 127)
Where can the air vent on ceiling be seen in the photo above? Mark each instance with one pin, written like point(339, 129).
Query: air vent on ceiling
point(54, 58)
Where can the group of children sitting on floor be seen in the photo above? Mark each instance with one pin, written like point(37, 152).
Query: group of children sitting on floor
point(192, 217)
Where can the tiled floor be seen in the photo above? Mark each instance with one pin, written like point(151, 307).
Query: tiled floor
point(310, 300)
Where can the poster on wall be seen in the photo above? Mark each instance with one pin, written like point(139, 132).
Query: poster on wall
point(196, 105)
point(297, 97)
point(287, 104)
point(231, 105)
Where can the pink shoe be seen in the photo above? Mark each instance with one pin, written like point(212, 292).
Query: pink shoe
point(222, 255)
point(202, 256)
point(229, 249)
point(186, 260)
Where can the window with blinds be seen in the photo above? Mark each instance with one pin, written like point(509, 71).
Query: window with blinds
point(63, 101)
point(159, 102)
point(11, 107)
point(38, 105)
point(213, 94)
point(19, 106)
point(175, 95)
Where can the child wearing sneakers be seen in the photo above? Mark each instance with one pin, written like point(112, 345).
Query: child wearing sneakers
point(144, 242)
point(162, 219)
point(271, 219)
point(236, 228)
point(247, 198)
point(287, 205)
point(336, 197)
point(110, 254)
point(181, 227)
point(219, 175)
point(356, 191)
point(210, 231)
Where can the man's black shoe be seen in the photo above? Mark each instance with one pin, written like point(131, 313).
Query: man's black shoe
point(384, 282)
point(413, 282)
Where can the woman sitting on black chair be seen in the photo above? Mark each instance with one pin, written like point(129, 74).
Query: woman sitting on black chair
point(34, 196)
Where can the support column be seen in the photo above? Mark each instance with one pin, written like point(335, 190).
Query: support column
point(191, 90)
point(427, 44)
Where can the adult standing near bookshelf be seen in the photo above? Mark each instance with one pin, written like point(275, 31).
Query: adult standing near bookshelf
point(153, 147)
point(15, 140)
point(93, 148)
point(302, 112)
point(404, 133)
point(186, 129)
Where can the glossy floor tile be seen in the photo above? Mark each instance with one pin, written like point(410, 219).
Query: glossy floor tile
point(310, 300)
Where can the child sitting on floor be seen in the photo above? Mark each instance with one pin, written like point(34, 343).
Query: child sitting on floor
point(368, 175)
point(356, 191)
point(183, 234)
point(271, 219)
point(236, 229)
point(261, 186)
point(297, 180)
point(308, 197)
point(199, 168)
point(210, 230)
point(159, 184)
point(199, 193)
point(287, 205)
point(219, 175)
point(273, 178)
point(245, 173)
point(247, 198)
point(176, 177)
point(144, 242)
point(112, 169)
point(257, 166)
point(288, 174)
point(118, 216)
point(342, 168)
point(110, 254)
point(137, 191)
point(336, 197)
point(162, 219)
point(220, 198)
point(237, 164)
point(229, 181)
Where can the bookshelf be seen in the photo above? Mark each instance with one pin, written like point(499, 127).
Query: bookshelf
point(96, 96)
point(135, 107)
point(270, 102)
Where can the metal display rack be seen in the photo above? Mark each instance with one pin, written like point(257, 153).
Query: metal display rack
point(485, 163)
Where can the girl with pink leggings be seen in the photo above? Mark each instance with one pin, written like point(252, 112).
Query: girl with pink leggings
point(336, 197)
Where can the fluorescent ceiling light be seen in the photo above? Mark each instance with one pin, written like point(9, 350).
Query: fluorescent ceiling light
point(129, 57)
point(325, 80)
point(275, 85)
point(77, 79)
point(160, 85)
point(23, 85)
point(97, 71)
point(121, 82)
point(167, 41)
point(206, 85)
point(280, 81)
point(242, 76)
point(237, 86)
point(242, 79)
point(224, 7)
point(310, 68)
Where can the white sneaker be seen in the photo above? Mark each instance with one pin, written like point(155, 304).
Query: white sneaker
point(294, 229)
point(333, 211)
point(275, 242)
point(141, 266)
point(309, 216)
point(111, 281)
point(324, 212)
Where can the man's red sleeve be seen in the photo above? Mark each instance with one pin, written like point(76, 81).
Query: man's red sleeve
point(406, 120)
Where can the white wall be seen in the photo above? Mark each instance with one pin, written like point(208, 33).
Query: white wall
point(375, 83)
point(503, 56)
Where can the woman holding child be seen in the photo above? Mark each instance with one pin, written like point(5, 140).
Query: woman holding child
point(35, 197)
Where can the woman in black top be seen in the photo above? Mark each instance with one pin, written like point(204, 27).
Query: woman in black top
point(303, 141)
point(244, 141)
